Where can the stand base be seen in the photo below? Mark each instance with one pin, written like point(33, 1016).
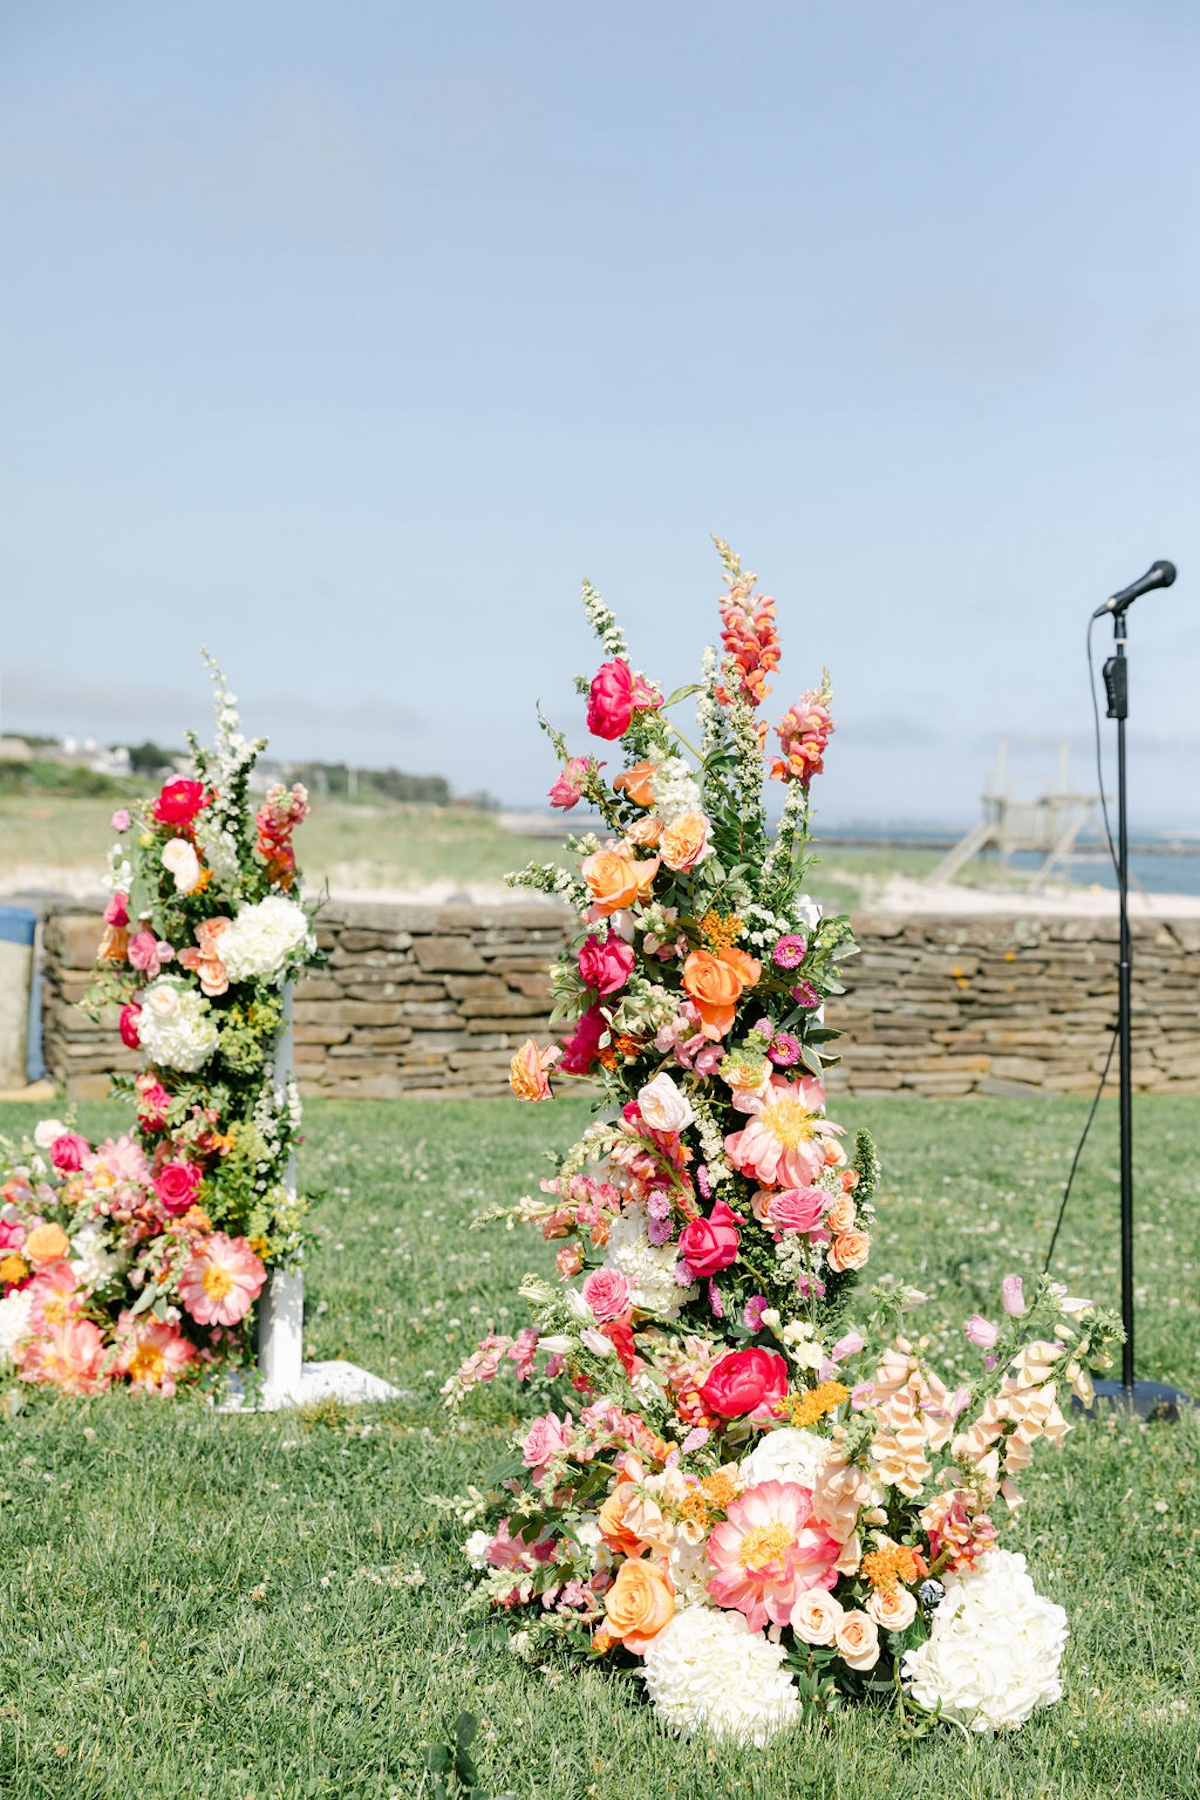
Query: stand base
point(1150, 1400)
point(336, 1380)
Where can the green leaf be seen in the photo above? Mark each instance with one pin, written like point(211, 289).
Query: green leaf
point(465, 1727)
point(682, 693)
point(439, 1759)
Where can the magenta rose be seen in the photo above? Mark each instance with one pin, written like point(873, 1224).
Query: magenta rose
point(610, 700)
point(153, 1102)
point(177, 1185)
point(606, 966)
point(128, 1026)
point(798, 1209)
point(711, 1244)
point(12, 1235)
point(68, 1151)
point(583, 1047)
point(607, 1293)
point(746, 1384)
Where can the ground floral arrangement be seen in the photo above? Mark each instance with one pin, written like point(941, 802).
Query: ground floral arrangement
point(139, 1260)
point(750, 1484)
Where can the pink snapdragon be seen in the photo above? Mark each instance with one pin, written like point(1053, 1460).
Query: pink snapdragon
point(1013, 1296)
point(981, 1332)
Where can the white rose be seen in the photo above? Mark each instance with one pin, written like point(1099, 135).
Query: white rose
point(816, 1616)
point(895, 1612)
point(663, 1107)
point(45, 1132)
point(179, 859)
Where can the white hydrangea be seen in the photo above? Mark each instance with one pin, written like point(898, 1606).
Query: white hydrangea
point(707, 1671)
point(93, 1261)
point(993, 1654)
point(263, 937)
point(648, 1268)
point(175, 1026)
point(675, 790)
point(14, 1323)
point(788, 1454)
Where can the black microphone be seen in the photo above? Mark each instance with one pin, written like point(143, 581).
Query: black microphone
point(1158, 575)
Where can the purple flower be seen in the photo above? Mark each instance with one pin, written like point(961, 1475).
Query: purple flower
point(695, 1440)
point(658, 1205)
point(981, 1332)
point(1014, 1299)
point(702, 1180)
point(806, 995)
point(755, 1307)
point(715, 1300)
point(683, 1272)
point(784, 1050)
point(658, 1230)
point(789, 951)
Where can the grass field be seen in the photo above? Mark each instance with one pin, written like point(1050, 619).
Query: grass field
point(227, 1607)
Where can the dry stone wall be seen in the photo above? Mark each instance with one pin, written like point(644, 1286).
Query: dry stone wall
point(432, 1001)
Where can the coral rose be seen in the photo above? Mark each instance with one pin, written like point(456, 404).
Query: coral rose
point(615, 880)
point(841, 1214)
point(746, 1384)
point(529, 1071)
point(711, 1244)
point(179, 802)
point(638, 783)
point(46, 1244)
point(849, 1250)
point(685, 842)
point(639, 1603)
point(857, 1639)
point(715, 984)
point(606, 966)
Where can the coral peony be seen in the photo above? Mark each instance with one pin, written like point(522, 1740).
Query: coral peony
point(151, 1354)
point(746, 1384)
point(710, 1245)
point(222, 1281)
point(69, 1356)
point(179, 802)
point(767, 1552)
point(784, 1145)
point(606, 966)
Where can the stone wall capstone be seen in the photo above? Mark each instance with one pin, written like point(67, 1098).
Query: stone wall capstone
point(431, 1001)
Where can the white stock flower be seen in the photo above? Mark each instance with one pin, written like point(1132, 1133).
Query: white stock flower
point(993, 1654)
point(180, 860)
point(648, 1268)
point(263, 937)
point(175, 1027)
point(788, 1454)
point(690, 1571)
point(14, 1322)
point(675, 790)
point(93, 1261)
point(45, 1132)
point(707, 1671)
point(662, 1105)
point(475, 1549)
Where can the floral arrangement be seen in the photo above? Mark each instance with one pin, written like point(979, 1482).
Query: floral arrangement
point(749, 1481)
point(140, 1259)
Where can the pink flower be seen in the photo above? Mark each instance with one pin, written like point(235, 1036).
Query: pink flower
point(222, 1281)
point(583, 1047)
point(568, 788)
point(980, 1332)
point(177, 1186)
point(789, 952)
point(785, 1142)
point(803, 732)
point(569, 1261)
point(615, 695)
point(784, 1050)
point(798, 1209)
point(523, 1350)
point(1012, 1295)
point(711, 1244)
point(548, 1436)
point(152, 1354)
point(606, 966)
point(850, 1345)
point(153, 1102)
point(607, 1293)
point(767, 1553)
point(179, 802)
point(55, 1298)
point(128, 1026)
point(68, 1151)
point(117, 910)
point(121, 821)
point(69, 1356)
point(145, 953)
point(12, 1235)
point(806, 995)
point(746, 1384)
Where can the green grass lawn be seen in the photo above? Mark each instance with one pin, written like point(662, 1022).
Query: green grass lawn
point(223, 1606)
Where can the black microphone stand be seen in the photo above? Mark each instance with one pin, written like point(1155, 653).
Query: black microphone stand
point(1149, 1399)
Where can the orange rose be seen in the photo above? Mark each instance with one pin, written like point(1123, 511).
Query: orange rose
point(616, 880)
point(849, 1250)
point(639, 1603)
point(716, 983)
point(46, 1244)
point(611, 1520)
point(841, 1214)
point(528, 1073)
point(685, 843)
point(114, 944)
point(638, 783)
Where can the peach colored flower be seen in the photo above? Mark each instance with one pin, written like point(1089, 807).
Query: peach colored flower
point(615, 880)
point(685, 842)
point(857, 1639)
point(849, 1250)
point(569, 1261)
point(639, 1603)
point(841, 1214)
point(638, 783)
point(46, 1244)
point(894, 1611)
point(784, 1143)
point(70, 1356)
point(767, 1552)
point(645, 832)
point(715, 983)
point(528, 1073)
point(222, 1281)
point(54, 1296)
point(152, 1354)
point(816, 1615)
point(114, 944)
point(205, 960)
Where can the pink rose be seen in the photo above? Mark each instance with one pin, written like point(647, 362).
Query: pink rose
point(746, 1384)
point(117, 910)
point(568, 788)
point(143, 952)
point(615, 695)
point(711, 1244)
point(128, 1026)
point(153, 1101)
point(177, 1185)
point(607, 1293)
point(798, 1209)
point(980, 1332)
point(606, 966)
point(583, 1047)
point(546, 1437)
point(68, 1151)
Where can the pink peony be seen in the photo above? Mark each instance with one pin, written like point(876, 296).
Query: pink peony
point(117, 910)
point(177, 1185)
point(68, 1151)
point(798, 1209)
point(568, 788)
point(606, 966)
point(607, 1293)
point(710, 1245)
point(767, 1553)
point(69, 1356)
point(746, 1384)
point(785, 1142)
point(222, 1281)
point(55, 1298)
point(546, 1437)
point(151, 1354)
point(128, 1026)
point(12, 1234)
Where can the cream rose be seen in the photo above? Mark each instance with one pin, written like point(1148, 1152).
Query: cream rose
point(663, 1107)
point(857, 1639)
point(180, 860)
point(816, 1616)
point(893, 1611)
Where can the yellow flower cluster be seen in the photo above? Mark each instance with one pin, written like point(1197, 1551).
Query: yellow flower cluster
point(806, 1409)
point(721, 930)
point(892, 1563)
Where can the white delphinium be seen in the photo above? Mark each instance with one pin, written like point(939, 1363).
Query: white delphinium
point(707, 1671)
point(708, 707)
point(675, 790)
point(648, 1268)
point(603, 622)
point(262, 938)
point(118, 876)
point(993, 1654)
point(93, 1260)
point(787, 1454)
point(175, 1026)
point(14, 1323)
point(218, 845)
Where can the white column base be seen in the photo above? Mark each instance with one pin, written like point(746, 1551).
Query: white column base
point(287, 1380)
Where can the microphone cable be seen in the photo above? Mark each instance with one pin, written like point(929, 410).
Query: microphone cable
point(1112, 1042)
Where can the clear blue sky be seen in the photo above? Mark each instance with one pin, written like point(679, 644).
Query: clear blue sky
point(346, 339)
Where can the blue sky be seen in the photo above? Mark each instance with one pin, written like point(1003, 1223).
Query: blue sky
point(345, 340)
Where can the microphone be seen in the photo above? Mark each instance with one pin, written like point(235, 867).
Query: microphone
point(1158, 575)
